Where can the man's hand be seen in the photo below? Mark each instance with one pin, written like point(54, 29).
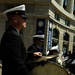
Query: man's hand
point(37, 54)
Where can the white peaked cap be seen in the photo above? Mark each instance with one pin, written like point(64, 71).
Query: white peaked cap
point(39, 36)
point(55, 48)
point(17, 8)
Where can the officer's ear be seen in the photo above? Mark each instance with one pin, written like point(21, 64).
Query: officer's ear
point(15, 19)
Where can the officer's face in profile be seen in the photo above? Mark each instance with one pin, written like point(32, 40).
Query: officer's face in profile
point(39, 42)
point(20, 21)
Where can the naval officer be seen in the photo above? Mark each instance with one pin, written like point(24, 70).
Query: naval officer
point(37, 47)
point(35, 50)
point(12, 46)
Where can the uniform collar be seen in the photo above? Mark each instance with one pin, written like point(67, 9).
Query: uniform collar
point(12, 27)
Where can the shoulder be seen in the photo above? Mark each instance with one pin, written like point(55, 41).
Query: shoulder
point(11, 31)
point(32, 47)
point(10, 35)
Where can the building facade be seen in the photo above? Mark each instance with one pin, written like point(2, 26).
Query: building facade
point(60, 14)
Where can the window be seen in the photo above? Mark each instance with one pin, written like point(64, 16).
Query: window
point(74, 39)
point(55, 33)
point(74, 44)
point(64, 4)
point(56, 16)
point(66, 36)
point(66, 22)
point(74, 10)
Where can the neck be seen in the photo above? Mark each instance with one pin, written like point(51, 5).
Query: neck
point(17, 27)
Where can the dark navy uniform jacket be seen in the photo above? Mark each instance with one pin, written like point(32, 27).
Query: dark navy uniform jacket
point(33, 48)
point(13, 53)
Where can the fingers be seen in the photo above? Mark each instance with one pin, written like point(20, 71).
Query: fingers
point(37, 54)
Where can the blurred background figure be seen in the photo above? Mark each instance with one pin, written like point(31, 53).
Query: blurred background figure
point(37, 47)
point(70, 63)
point(35, 50)
point(54, 50)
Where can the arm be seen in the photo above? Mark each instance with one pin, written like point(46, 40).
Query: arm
point(33, 52)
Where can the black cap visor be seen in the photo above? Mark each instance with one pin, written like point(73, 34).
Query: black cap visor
point(24, 16)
